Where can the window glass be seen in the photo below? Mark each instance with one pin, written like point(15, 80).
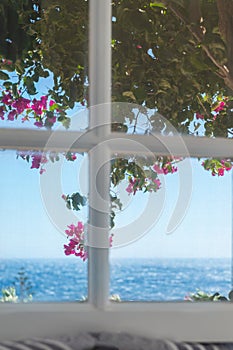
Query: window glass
point(159, 256)
point(43, 64)
point(38, 208)
point(173, 58)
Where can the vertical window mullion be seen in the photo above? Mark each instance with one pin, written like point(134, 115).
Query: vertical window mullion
point(99, 166)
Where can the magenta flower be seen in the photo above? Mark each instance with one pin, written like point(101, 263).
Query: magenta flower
point(38, 124)
point(68, 250)
point(199, 116)
point(37, 160)
point(7, 99)
point(221, 172)
point(165, 170)
point(42, 170)
point(131, 186)
point(220, 107)
point(70, 156)
point(158, 183)
point(157, 169)
point(2, 112)
point(43, 101)
point(111, 240)
point(51, 103)
point(11, 115)
point(21, 104)
point(39, 106)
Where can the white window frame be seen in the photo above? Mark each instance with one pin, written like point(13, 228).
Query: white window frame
point(180, 321)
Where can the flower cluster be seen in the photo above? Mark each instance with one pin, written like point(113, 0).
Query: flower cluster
point(147, 184)
point(39, 159)
point(220, 106)
point(217, 167)
point(45, 112)
point(165, 169)
point(151, 182)
point(76, 241)
point(76, 245)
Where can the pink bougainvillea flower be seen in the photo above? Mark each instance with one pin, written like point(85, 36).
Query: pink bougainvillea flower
point(80, 225)
point(157, 169)
point(2, 112)
point(7, 99)
point(43, 101)
point(70, 156)
point(174, 169)
point(37, 160)
point(221, 172)
point(42, 170)
point(157, 182)
point(165, 170)
point(68, 250)
point(111, 240)
point(131, 186)
point(51, 103)
point(39, 124)
point(76, 241)
point(227, 165)
point(5, 61)
point(39, 106)
point(11, 115)
point(21, 104)
point(199, 116)
point(220, 107)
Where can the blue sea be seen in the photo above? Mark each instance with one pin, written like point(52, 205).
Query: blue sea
point(132, 279)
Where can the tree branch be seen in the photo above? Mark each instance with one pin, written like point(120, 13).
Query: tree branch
point(223, 70)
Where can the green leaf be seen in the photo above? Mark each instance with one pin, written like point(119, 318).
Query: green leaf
point(30, 86)
point(7, 84)
point(65, 121)
point(4, 76)
point(129, 94)
point(157, 4)
point(78, 201)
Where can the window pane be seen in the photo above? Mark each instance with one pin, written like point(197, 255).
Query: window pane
point(43, 64)
point(172, 63)
point(36, 210)
point(174, 241)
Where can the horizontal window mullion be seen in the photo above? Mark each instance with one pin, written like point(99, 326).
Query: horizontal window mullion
point(118, 143)
point(184, 146)
point(45, 140)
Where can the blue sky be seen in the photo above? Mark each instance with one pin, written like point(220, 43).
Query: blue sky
point(27, 231)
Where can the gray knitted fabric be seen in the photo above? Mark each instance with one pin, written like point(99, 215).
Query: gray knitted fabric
point(108, 341)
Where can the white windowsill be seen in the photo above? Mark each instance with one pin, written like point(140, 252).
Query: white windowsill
point(178, 321)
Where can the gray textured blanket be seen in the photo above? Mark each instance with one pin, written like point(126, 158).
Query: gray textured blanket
point(108, 341)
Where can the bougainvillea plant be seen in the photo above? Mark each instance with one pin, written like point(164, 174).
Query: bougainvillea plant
point(174, 57)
